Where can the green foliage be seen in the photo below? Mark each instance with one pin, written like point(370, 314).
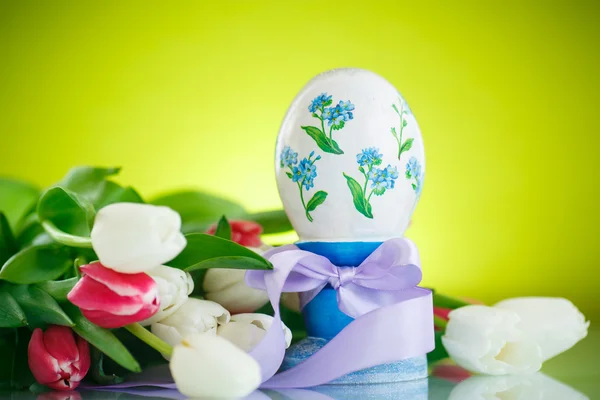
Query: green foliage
point(58, 290)
point(8, 243)
point(37, 264)
point(439, 353)
point(39, 307)
point(274, 221)
point(442, 301)
point(223, 229)
point(16, 199)
point(324, 143)
point(101, 338)
point(206, 251)
point(11, 314)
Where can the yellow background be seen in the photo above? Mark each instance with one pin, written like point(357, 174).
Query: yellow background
point(192, 95)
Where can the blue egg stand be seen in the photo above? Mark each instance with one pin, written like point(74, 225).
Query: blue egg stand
point(324, 321)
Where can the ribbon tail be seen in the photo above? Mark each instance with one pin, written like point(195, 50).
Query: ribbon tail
point(407, 332)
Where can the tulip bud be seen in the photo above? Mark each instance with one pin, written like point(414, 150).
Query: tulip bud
point(487, 340)
point(246, 233)
point(228, 288)
point(206, 366)
point(194, 316)
point(246, 330)
point(58, 358)
point(554, 323)
point(174, 286)
point(111, 299)
point(132, 238)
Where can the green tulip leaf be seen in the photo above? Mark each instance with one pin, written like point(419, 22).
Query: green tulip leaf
point(275, 221)
point(114, 193)
point(8, 243)
point(16, 199)
point(66, 216)
point(442, 301)
point(199, 210)
point(40, 308)
point(88, 182)
point(358, 197)
point(11, 314)
point(97, 369)
point(58, 289)
point(103, 339)
point(223, 229)
point(37, 264)
point(324, 143)
point(316, 200)
point(207, 251)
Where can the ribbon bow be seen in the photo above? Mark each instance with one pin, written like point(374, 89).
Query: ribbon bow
point(385, 277)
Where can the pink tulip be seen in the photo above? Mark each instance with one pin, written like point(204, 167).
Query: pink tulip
point(58, 358)
point(246, 233)
point(111, 299)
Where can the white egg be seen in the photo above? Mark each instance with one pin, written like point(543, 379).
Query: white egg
point(349, 160)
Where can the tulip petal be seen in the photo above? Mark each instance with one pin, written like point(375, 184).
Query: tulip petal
point(243, 335)
point(109, 321)
point(122, 284)
point(486, 340)
point(554, 323)
point(174, 286)
point(133, 238)
point(43, 366)
point(91, 295)
point(210, 366)
point(239, 298)
point(60, 344)
point(262, 321)
point(83, 364)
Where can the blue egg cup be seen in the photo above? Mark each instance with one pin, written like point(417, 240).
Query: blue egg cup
point(324, 321)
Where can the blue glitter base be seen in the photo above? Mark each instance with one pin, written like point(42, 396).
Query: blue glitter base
point(400, 371)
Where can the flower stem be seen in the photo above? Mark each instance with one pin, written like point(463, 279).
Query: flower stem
point(330, 131)
point(401, 129)
point(302, 198)
point(149, 338)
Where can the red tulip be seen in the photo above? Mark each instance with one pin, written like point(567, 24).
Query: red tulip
point(111, 299)
point(246, 233)
point(58, 358)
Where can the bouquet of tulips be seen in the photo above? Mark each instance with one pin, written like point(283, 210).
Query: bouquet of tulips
point(97, 283)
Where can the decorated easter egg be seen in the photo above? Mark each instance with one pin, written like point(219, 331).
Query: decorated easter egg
point(350, 162)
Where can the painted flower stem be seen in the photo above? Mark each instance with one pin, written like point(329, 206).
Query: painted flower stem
point(150, 339)
point(302, 199)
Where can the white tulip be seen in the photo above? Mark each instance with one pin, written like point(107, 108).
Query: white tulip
point(209, 366)
point(174, 286)
point(246, 330)
point(228, 288)
point(194, 316)
point(525, 387)
point(554, 323)
point(132, 238)
point(487, 340)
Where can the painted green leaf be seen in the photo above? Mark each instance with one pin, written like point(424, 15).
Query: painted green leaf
point(16, 199)
point(40, 308)
point(207, 251)
point(8, 243)
point(67, 211)
point(199, 210)
point(58, 289)
point(414, 186)
point(360, 202)
point(316, 200)
point(223, 229)
point(274, 221)
point(103, 339)
point(289, 175)
point(322, 140)
point(11, 314)
point(396, 109)
point(37, 264)
point(406, 146)
point(404, 123)
point(393, 130)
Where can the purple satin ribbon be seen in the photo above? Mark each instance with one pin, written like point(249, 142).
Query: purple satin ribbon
point(394, 317)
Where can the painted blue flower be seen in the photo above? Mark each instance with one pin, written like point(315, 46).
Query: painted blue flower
point(383, 179)
point(288, 157)
point(413, 168)
point(418, 186)
point(346, 105)
point(297, 174)
point(369, 157)
point(319, 102)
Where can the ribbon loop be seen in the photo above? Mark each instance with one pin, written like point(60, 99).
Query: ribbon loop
point(345, 275)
